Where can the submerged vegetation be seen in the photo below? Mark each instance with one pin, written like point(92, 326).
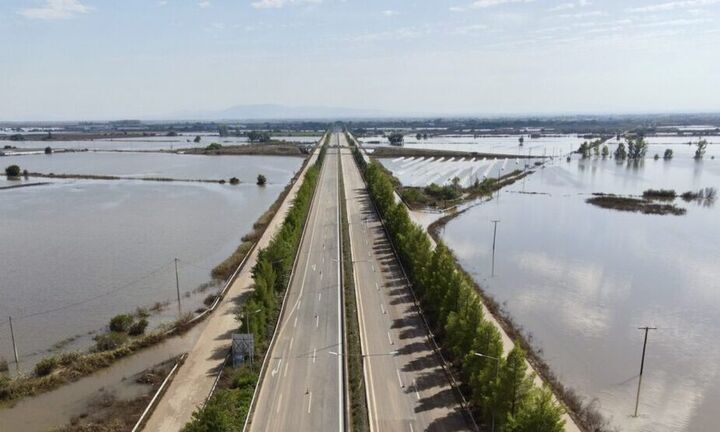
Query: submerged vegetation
point(455, 313)
point(644, 206)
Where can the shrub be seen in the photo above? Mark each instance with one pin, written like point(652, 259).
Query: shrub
point(67, 359)
point(668, 154)
point(46, 366)
point(121, 323)
point(110, 341)
point(214, 146)
point(3, 365)
point(234, 181)
point(261, 180)
point(12, 171)
point(48, 150)
point(138, 327)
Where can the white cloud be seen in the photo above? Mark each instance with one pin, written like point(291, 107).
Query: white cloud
point(277, 4)
point(479, 4)
point(204, 4)
point(672, 5)
point(56, 10)
point(389, 12)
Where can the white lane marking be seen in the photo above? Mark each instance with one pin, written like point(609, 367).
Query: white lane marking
point(275, 371)
point(314, 354)
point(369, 254)
point(286, 369)
point(389, 338)
point(277, 410)
point(295, 323)
point(377, 287)
point(397, 371)
point(382, 308)
point(291, 343)
point(319, 295)
point(373, 267)
point(317, 320)
point(309, 402)
point(321, 276)
point(314, 267)
point(417, 395)
point(299, 302)
point(411, 428)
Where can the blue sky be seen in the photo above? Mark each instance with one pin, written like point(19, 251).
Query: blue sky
point(97, 59)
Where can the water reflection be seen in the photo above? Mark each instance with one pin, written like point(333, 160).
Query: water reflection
point(582, 279)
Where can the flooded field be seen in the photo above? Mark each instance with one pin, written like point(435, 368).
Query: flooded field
point(245, 168)
point(151, 143)
point(496, 144)
point(582, 280)
point(75, 253)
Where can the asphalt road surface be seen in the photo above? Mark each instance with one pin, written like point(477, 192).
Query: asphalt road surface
point(302, 388)
point(407, 389)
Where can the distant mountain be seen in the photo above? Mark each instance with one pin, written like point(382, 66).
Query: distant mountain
point(279, 112)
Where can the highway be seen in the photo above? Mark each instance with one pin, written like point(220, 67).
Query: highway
point(407, 389)
point(303, 383)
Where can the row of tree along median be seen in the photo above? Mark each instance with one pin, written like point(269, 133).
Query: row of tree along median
point(229, 406)
point(500, 388)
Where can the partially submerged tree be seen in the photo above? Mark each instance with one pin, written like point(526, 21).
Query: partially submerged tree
point(396, 138)
point(12, 171)
point(637, 148)
point(605, 152)
point(620, 152)
point(261, 180)
point(701, 148)
point(668, 154)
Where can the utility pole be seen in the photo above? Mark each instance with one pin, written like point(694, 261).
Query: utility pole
point(495, 222)
point(642, 366)
point(12, 336)
point(177, 288)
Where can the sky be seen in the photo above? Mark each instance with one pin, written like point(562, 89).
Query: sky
point(105, 59)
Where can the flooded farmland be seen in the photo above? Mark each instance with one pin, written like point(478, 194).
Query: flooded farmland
point(582, 279)
point(75, 253)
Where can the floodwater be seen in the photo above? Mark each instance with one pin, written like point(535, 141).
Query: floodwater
point(58, 407)
point(75, 253)
point(245, 168)
point(582, 279)
point(495, 144)
point(151, 143)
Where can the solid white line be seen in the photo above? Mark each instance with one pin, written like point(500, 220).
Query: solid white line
point(389, 338)
point(309, 402)
point(341, 389)
point(397, 371)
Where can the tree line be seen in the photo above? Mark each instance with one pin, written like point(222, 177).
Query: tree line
point(501, 390)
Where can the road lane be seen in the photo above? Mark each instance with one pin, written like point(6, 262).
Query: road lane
point(302, 389)
point(407, 387)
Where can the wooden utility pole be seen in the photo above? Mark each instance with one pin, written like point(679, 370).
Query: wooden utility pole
point(12, 336)
point(493, 247)
point(642, 366)
point(177, 287)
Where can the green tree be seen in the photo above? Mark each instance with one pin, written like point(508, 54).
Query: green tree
point(637, 148)
point(620, 152)
point(605, 152)
point(197, 139)
point(12, 171)
point(396, 138)
point(513, 385)
point(584, 150)
point(539, 413)
point(120, 323)
point(261, 180)
point(48, 150)
point(668, 154)
point(701, 147)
